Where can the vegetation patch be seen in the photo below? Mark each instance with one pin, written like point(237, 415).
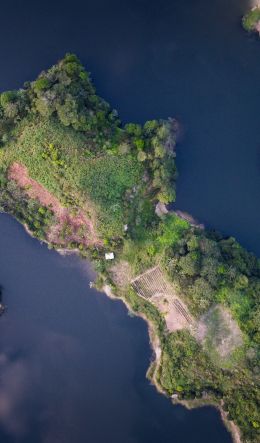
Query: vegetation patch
point(112, 182)
point(251, 20)
point(221, 337)
point(69, 227)
point(38, 218)
point(78, 178)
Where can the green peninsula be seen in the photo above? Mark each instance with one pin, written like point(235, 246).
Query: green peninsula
point(80, 180)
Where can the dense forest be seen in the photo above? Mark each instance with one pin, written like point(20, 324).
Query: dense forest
point(78, 178)
point(74, 144)
point(208, 270)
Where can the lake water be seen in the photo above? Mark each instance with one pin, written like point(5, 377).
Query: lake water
point(72, 362)
point(189, 59)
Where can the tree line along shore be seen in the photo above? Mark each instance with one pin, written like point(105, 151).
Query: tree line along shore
point(79, 179)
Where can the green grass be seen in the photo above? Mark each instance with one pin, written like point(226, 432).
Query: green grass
point(149, 249)
point(250, 19)
point(220, 329)
point(29, 144)
point(58, 157)
point(171, 230)
point(106, 179)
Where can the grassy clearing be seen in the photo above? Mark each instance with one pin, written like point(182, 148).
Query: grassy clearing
point(223, 339)
point(58, 158)
point(106, 180)
point(29, 145)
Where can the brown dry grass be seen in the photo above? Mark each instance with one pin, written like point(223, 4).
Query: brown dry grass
point(122, 274)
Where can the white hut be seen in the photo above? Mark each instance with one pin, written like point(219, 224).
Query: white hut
point(109, 256)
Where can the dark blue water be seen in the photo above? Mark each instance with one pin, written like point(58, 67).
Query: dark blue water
point(189, 59)
point(72, 362)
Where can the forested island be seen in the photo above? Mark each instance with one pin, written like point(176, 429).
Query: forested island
point(251, 20)
point(80, 180)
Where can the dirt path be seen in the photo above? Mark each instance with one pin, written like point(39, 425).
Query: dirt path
point(69, 228)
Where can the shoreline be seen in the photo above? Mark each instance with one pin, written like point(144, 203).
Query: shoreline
point(155, 346)
point(84, 182)
point(154, 366)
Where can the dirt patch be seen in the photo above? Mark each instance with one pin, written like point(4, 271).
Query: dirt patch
point(69, 227)
point(219, 332)
point(161, 209)
point(189, 218)
point(154, 286)
point(175, 312)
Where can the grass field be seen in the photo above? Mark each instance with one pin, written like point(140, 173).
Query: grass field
point(58, 157)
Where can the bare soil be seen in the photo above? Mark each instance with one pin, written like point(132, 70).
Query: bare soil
point(69, 227)
point(166, 304)
point(155, 287)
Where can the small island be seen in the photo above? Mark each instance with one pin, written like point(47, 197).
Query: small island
point(251, 20)
point(80, 180)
